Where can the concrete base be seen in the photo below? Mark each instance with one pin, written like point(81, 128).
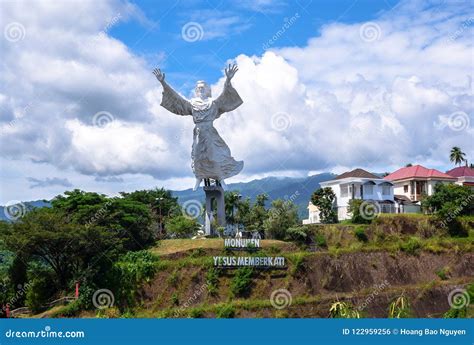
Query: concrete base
point(216, 193)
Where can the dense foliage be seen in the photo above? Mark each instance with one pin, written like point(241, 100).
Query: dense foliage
point(86, 238)
point(282, 216)
point(324, 199)
point(448, 203)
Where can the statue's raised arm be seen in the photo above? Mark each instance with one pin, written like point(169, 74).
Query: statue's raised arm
point(172, 100)
point(229, 99)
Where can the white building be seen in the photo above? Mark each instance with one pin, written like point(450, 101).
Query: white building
point(357, 184)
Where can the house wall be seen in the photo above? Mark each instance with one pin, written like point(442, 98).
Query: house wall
point(375, 195)
point(313, 215)
point(342, 213)
point(398, 188)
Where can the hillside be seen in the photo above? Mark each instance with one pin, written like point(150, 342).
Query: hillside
point(398, 257)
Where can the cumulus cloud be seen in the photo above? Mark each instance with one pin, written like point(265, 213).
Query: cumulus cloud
point(348, 98)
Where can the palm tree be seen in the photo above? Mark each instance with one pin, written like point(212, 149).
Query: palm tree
point(457, 156)
point(232, 200)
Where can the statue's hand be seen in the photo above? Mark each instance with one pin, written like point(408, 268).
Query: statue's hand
point(159, 75)
point(230, 71)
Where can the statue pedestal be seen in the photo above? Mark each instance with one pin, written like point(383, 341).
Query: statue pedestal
point(216, 193)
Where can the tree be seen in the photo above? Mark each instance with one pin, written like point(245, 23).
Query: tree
point(408, 165)
point(231, 200)
point(182, 227)
point(324, 199)
point(68, 248)
point(129, 217)
point(358, 211)
point(281, 216)
point(242, 216)
point(161, 202)
point(457, 156)
point(258, 214)
point(448, 202)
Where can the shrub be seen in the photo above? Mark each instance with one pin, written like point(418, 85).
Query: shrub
point(225, 311)
point(39, 293)
point(181, 227)
point(320, 240)
point(129, 273)
point(361, 211)
point(212, 279)
point(298, 234)
point(241, 283)
point(360, 234)
point(281, 216)
point(70, 310)
point(298, 264)
point(412, 246)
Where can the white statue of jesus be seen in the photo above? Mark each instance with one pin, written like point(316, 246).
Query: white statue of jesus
point(211, 157)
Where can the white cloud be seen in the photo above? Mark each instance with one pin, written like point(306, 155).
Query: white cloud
point(340, 101)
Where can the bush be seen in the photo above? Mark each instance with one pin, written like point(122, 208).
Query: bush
point(212, 279)
point(181, 227)
point(298, 234)
point(225, 311)
point(70, 310)
point(320, 240)
point(412, 246)
point(362, 211)
point(241, 283)
point(129, 272)
point(282, 216)
point(39, 293)
point(360, 234)
point(298, 264)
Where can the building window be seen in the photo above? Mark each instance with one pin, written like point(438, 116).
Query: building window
point(344, 191)
point(368, 189)
point(405, 188)
point(385, 190)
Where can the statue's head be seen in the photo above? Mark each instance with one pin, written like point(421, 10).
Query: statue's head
point(202, 90)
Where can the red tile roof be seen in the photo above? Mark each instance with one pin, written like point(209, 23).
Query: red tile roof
point(416, 171)
point(461, 171)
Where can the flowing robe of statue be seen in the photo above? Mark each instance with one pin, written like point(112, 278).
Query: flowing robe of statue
point(211, 157)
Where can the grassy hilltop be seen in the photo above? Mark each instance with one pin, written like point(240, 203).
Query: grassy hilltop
point(364, 268)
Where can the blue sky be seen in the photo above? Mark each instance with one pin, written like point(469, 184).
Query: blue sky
point(326, 85)
point(245, 26)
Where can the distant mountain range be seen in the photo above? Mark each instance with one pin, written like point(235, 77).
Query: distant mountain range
point(26, 206)
point(298, 190)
